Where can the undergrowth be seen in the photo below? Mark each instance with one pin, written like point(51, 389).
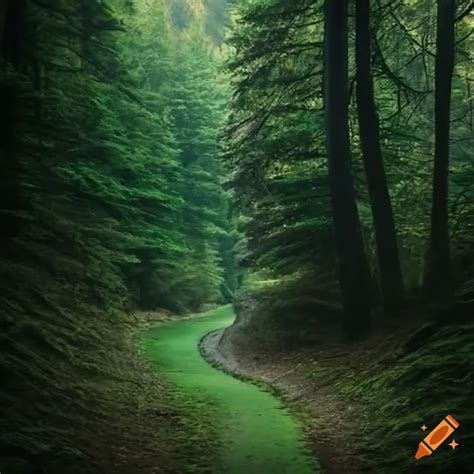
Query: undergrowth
point(399, 391)
point(78, 399)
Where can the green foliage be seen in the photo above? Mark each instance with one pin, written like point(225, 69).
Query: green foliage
point(212, 16)
point(276, 150)
point(399, 391)
point(114, 201)
point(272, 142)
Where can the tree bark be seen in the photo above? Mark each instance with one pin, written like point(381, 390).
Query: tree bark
point(438, 276)
point(3, 20)
point(13, 26)
point(86, 19)
point(353, 267)
point(385, 234)
point(10, 198)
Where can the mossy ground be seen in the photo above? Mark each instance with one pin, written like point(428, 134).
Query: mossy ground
point(249, 429)
point(374, 397)
point(107, 413)
point(399, 390)
point(362, 404)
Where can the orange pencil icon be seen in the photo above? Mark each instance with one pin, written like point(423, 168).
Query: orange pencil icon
point(437, 437)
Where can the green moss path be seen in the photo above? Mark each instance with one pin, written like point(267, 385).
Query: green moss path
point(256, 434)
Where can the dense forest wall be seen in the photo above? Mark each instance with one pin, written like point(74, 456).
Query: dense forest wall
point(288, 198)
point(350, 142)
point(111, 201)
point(119, 189)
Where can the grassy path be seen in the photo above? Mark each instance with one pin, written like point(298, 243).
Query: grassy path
point(257, 435)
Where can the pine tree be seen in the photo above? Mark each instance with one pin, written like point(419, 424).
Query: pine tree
point(438, 272)
point(101, 210)
point(353, 268)
point(386, 237)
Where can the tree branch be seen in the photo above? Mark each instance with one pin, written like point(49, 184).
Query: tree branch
point(466, 12)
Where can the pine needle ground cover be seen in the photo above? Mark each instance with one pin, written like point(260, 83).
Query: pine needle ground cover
point(395, 388)
point(108, 413)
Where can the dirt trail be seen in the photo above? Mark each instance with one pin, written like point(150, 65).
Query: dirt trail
point(328, 420)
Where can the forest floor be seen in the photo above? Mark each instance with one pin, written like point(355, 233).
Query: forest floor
point(330, 438)
point(247, 428)
point(362, 405)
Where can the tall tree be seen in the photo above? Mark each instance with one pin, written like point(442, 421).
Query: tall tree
point(104, 200)
point(3, 18)
point(353, 267)
point(12, 17)
point(382, 212)
point(438, 277)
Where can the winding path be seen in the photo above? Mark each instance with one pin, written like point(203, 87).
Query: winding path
point(258, 435)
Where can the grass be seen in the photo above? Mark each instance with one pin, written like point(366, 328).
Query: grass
point(248, 428)
point(104, 412)
point(399, 390)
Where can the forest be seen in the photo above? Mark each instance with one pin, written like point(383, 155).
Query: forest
point(236, 236)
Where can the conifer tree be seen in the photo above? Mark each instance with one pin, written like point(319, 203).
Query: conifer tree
point(353, 268)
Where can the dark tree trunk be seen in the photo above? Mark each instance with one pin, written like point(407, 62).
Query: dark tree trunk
point(9, 168)
point(12, 29)
point(3, 20)
point(10, 201)
point(87, 27)
point(438, 278)
point(353, 267)
point(385, 234)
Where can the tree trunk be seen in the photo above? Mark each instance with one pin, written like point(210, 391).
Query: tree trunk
point(10, 199)
point(382, 213)
point(353, 267)
point(438, 277)
point(86, 13)
point(13, 26)
point(3, 20)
